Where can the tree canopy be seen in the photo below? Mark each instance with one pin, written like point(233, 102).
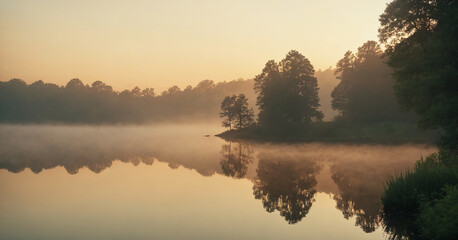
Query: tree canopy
point(236, 112)
point(365, 92)
point(421, 37)
point(288, 93)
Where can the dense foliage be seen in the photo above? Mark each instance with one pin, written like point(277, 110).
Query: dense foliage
point(96, 104)
point(421, 37)
point(236, 112)
point(365, 92)
point(288, 93)
point(410, 200)
point(423, 52)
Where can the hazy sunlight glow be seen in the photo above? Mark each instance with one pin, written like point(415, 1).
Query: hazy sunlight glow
point(162, 43)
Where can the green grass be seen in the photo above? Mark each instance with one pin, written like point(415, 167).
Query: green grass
point(410, 198)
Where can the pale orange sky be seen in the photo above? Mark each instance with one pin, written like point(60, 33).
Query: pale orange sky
point(162, 43)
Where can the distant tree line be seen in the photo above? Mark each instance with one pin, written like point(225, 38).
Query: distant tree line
point(76, 102)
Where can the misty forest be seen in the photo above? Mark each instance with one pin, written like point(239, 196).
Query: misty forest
point(371, 141)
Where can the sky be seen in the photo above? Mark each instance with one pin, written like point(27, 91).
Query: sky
point(163, 43)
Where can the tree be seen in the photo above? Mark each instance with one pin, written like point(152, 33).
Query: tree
point(243, 114)
point(365, 92)
point(136, 92)
point(148, 92)
point(422, 49)
point(172, 90)
point(75, 83)
point(288, 93)
point(227, 111)
point(100, 86)
point(235, 111)
point(205, 85)
point(340, 93)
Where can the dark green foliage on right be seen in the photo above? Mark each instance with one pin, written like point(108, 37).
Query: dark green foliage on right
point(422, 49)
point(423, 52)
point(406, 196)
point(440, 217)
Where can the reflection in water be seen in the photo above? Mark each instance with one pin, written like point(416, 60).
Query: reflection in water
point(236, 158)
point(46, 147)
point(72, 165)
point(284, 177)
point(286, 185)
point(356, 197)
point(70, 158)
point(360, 179)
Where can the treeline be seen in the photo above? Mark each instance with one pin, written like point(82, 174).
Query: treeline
point(288, 99)
point(98, 103)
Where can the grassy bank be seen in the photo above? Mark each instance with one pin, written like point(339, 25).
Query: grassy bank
point(422, 203)
point(377, 133)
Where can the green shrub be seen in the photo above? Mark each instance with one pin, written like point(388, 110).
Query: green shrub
point(405, 195)
point(439, 218)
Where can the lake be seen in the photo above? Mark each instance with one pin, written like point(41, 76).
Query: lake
point(181, 182)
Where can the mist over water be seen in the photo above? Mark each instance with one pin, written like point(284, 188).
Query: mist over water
point(228, 119)
point(298, 184)
point(41, 147)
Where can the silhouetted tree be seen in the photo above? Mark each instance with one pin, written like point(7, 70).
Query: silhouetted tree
point(227, 111)
point(288, 93)
point(148, 92)
point(188, 88)
point(172, 90)
point(235, 111)
point(75, 83)
point(100, 86)
point(136, 92)
point(422, 50)
point(365, 92)
point(205, 85)
point(243, 114)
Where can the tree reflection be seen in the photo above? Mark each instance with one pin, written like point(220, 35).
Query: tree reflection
point(286, 185)
point(71, 163)
point(359, 195)
point(236, 158)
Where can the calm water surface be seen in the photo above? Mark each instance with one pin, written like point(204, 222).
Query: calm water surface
point(174, 182)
